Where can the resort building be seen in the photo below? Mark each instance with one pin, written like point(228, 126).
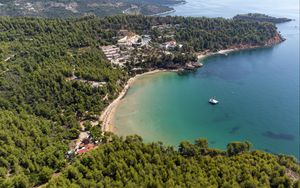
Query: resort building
point(129, 40)
point(112, 53)
point(169, 44)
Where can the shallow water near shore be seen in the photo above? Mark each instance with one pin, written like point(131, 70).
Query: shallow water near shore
point(258, 91)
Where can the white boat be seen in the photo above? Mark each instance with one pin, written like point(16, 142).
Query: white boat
point(213, 101)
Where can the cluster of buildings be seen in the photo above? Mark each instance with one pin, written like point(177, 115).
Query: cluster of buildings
point(169, 32)
point(127, 38)
point(128, 41)
point(83, 144)
point(170, 44)
point(114, 55)
point(68, 6)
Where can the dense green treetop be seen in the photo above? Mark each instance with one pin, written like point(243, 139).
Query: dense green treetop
point(43, 52)
point(41, 105)
point(131, 163)
point(260, 18)
point(30, 147)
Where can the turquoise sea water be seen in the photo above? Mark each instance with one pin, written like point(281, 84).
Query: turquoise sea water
point(258, 90)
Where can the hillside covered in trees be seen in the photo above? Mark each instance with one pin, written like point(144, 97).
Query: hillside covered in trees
point(260, 18)
point(76, 8)
point(54, 75)
point(131, 163)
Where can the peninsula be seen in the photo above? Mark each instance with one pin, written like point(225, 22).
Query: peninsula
point(260, 18)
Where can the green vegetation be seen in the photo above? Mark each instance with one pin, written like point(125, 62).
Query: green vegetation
point(75, 8)
point(38, 55)
point(260, 18)
point(45, 53)
point(198, 35)
point(46, 70)
point(131, 163)
point(32, 149)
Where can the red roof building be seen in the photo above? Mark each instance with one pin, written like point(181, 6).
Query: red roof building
point(86, 148)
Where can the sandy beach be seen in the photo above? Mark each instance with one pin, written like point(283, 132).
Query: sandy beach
point(108, 114)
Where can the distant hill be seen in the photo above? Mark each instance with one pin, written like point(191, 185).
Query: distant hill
point(73, 8)
point(260, 18)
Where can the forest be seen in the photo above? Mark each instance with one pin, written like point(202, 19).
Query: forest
point(261, 18)
point(41, 106)
point(131, 163)
point(77, 8)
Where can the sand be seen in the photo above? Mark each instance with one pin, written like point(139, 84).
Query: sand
point(108, 114)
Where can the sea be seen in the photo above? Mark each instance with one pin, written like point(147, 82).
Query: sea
point(258, 90)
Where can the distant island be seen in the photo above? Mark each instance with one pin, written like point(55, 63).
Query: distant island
point(75, 8)
point(260, 18)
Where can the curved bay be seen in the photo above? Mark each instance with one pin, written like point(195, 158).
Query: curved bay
point(258, 92)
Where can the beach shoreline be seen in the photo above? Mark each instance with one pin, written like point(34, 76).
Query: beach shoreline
point(107, 115)
point(203, 55)
point(236, 48)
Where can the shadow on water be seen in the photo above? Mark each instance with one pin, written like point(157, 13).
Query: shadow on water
point(279, 136)
point(212, 142)
point(224, 117)
point(235, 129)
point(185, 73)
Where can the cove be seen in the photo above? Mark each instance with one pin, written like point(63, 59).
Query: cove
point(258, 92)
